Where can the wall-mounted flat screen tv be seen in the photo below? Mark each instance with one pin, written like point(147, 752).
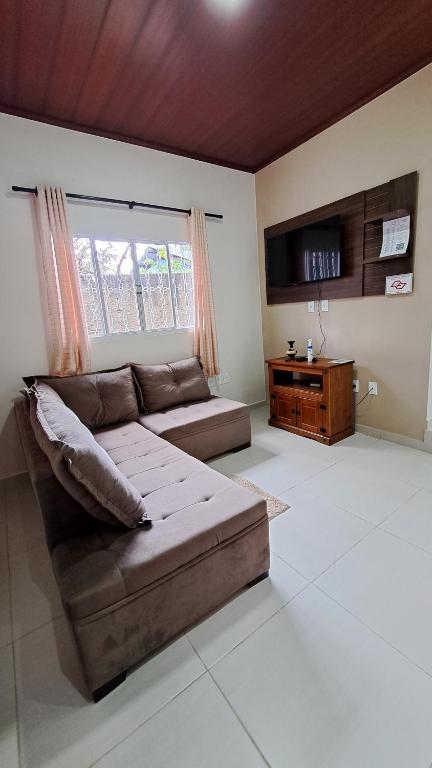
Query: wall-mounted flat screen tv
point(304, 255)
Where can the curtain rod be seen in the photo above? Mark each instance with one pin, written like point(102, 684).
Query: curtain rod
point(130, 203)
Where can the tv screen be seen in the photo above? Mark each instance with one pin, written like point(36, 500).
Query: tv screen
point(304, 255)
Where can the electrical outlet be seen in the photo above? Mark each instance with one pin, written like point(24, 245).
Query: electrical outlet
point(373, 387)
point(356, 385)
point(324, 305)
point(311, 306)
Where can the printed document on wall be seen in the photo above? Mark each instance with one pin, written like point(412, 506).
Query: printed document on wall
point(396, 234)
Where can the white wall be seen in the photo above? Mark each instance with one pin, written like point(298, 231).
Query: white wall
point(33, 153)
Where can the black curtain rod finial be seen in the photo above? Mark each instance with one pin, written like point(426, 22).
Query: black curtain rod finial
point(130, 203)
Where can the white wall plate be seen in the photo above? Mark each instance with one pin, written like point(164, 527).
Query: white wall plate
point(399, 284)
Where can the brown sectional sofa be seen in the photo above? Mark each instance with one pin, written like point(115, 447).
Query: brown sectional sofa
point(129, 590)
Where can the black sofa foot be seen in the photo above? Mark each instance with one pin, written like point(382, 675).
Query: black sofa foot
point(240, 448)
point(104, 690)
point(258, 579)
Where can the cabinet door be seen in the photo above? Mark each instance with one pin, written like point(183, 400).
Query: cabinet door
point(287, 410)
point(308, 414)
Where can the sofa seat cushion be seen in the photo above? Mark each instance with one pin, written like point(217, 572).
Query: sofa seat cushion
point(202, 429)
point(195, 510)
point(148, 462)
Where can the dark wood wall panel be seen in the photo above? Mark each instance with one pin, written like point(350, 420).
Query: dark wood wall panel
point(351, 212)
point(363, 272)
point(397, 196)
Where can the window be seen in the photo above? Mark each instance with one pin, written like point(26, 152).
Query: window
point(134, 286)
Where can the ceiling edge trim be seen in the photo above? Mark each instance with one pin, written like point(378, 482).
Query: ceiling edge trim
point(49, 120)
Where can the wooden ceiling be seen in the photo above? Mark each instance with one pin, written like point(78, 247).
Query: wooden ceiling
point(235, 82)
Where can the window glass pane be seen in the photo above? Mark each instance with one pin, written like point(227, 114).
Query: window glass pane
point(153, 269)
point(118, 286)
point(182, 281)
point(89, 287)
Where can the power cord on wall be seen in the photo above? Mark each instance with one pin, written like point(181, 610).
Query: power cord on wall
point(361, 401)
point(323, 342)
point(365, 396)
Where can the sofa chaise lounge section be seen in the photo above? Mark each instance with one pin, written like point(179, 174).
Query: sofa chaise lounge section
point(127, 591)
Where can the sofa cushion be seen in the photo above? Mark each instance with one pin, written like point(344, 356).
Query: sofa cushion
point(195, 511)
point(203, 429)
point(163, 386)
point(80, 464)
point(98, 399)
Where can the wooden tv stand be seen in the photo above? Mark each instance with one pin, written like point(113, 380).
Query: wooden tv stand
point(323, 412)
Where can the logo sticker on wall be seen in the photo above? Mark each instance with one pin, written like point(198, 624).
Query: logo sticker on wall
point(399, 284)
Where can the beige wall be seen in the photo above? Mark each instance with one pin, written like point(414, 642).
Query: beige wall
point(389, 337)
point(33, 153)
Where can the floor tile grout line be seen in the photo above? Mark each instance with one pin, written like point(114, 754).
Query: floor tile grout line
point(285, 562)
point(40, 626)
point(344, 554)
point(371, 629)
point(238, 718)
point(373, 529)
point(332, 504)
point(293, 568)
point(405, 541)
point(295, 485)
point(310, 583)
point(417, 488)
point(14, 660)
point(259, 626)
point(147, 719)
point(378, 526)
point(312, 477)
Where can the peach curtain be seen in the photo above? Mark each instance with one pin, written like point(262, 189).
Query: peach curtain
point(205, 339)
point(66, 329)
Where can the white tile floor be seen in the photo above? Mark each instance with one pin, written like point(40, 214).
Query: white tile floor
point(327, 664)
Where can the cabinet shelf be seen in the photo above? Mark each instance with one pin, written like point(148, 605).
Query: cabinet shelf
point(298, 388)
point(377, 259)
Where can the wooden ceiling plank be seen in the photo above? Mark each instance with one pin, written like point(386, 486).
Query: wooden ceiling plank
point(9, 36)
point(117, 37)
point(146, 83)
point(240, 89)
point(39, 26)
point(77, 40)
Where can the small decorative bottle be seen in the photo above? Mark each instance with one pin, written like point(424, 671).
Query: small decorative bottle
point(291, 352)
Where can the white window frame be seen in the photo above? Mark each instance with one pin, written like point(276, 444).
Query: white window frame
point(133, 242)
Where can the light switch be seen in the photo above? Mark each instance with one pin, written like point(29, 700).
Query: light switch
point(311, 306)
point(324, 305)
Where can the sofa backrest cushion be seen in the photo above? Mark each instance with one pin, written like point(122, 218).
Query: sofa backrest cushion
point(98, 399)
point(170, 384)
point(80, 464)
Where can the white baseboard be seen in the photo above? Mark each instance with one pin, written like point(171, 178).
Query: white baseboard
point(258, 404)
point(393, 437)
point(428, 438)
